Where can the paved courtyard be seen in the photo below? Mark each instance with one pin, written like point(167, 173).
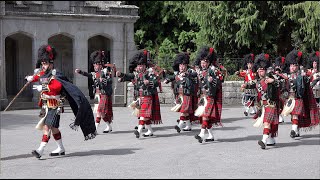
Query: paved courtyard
point(234, 154)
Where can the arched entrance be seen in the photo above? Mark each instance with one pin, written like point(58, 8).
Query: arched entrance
point(18, 61)
point(97, 42)
point(64, 60)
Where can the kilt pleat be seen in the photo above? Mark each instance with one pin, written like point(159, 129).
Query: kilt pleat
point(52, 119)
point(105, 106)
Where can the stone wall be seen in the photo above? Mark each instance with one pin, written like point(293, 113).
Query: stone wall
point(231, 93)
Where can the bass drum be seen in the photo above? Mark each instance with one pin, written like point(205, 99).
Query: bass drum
point(250, 92)
point(288, 107)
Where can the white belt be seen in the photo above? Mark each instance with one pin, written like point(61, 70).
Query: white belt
point(44, 96)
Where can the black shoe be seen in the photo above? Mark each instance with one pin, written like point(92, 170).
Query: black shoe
point(177, 128)
point(186, 129)
point(57, 154)
point(198, 138)
point(136, 127)
point(137, 134)
point(145, 135)
point(293, 134)
point(107, 131)
point(271, 144)
point(208, 140)
point(261, 143)
point(245, 113)
point(35, 154)
point(178, 120)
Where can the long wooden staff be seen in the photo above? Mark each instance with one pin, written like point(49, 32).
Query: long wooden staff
point(17, 94)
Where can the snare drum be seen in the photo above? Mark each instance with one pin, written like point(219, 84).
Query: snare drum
point(250, 92)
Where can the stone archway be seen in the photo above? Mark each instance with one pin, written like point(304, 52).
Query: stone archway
point(18, 61)
point(97, 42)
point(64, 60)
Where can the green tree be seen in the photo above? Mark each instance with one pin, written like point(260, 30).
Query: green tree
point(306, 17)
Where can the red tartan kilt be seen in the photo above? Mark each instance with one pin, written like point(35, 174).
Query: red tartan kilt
point(156, 114)
point(271, 115)
point(186, 106)
point(146, 106)
point(219, 103)
point(105, 105)
point(298, 107)
point(210, 110)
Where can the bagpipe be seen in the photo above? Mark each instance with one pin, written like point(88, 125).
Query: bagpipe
point(135, 106)
point(201, 106)
point(178, 104)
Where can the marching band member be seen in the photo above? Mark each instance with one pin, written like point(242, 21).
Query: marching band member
point(314, 74)
point(305, 113)
point(249, 95)
point(54, 89)
point(283, 84)
point(102, 89)
point(267, 87)
point(145, 88)
point(184, 86)
point(209, 83)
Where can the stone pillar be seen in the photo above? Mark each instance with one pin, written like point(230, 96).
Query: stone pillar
point(80, 61)
point(3, 93)
point(2, 8)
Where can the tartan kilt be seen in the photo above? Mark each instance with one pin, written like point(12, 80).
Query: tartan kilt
point(271, 115)
point(105, 106)
point(146, 106)
point(312, 114)
point(186, 106)
point(218, 103)
point(52, 119)
point(156, 114)
point(194, 119)
point(298, 107)
point(210, 109)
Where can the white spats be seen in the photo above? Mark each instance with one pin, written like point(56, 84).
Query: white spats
point(281, 120)
point(150, 131)
point(108, 127)
point(264, 138)
point(181, 122)
point(202, 131)
point(295, 128)
point(97, 124)
point(188, 125)
point(210, 132)
point(271, 141)
point(253, 111)
point(41, 148)
point(60, 150)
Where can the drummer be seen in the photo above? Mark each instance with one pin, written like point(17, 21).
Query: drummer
point(248, 87)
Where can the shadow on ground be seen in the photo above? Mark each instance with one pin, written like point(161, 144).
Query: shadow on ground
point(123, 151)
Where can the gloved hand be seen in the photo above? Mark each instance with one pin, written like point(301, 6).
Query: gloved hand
point(37, 87)
point(29, 78)
point(40, 88)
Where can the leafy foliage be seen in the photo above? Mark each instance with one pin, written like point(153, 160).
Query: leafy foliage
point(233, 28)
